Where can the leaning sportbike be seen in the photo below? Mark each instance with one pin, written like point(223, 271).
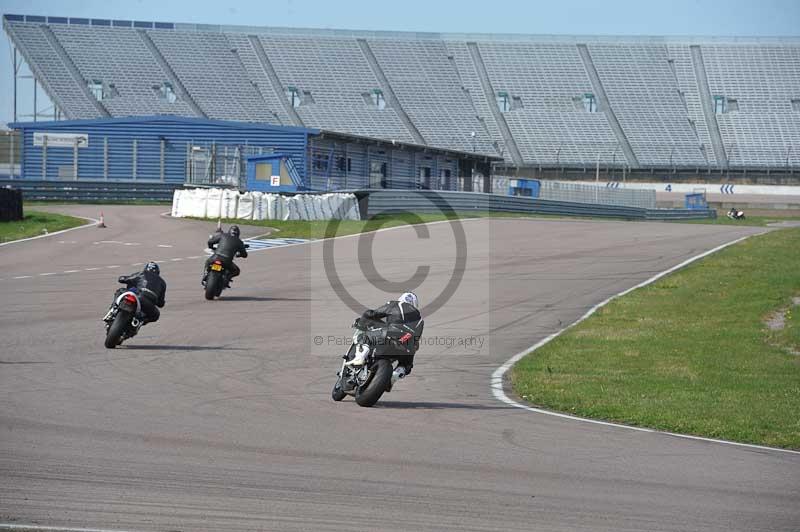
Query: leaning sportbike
point(385, 346)
point(123, 319)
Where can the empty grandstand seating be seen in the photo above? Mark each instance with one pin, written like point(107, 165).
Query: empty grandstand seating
point(427, 85)
point(643, 91)
point(763, 80)
point(117, 56)
point(649, 99)
point(337, 75)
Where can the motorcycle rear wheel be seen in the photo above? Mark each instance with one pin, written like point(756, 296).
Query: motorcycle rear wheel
point(369, 394)
point(117, 329)
point(212, 282)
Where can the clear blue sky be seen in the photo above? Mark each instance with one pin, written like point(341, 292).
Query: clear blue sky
point(606, 17)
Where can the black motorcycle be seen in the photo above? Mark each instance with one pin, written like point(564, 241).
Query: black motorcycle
point(387, 346)
point(217, 278)
point(123, 317)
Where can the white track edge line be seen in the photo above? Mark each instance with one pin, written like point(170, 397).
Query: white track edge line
point(497, 376)
point(92, 222)
point(16, 526)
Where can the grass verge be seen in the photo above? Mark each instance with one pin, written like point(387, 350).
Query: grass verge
point(690, 353)
point(754, 221)
point(34, 223)
point(328, 228)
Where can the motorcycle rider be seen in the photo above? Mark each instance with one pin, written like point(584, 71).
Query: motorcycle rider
point(404, 310)
point(151, 288)
point(228, 246)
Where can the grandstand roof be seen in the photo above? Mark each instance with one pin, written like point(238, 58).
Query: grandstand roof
point(414, 35)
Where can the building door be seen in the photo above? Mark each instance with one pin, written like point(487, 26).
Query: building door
point(425, 177)
point(377, 174)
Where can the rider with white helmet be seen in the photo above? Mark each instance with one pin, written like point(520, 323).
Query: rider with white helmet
point(405, 310)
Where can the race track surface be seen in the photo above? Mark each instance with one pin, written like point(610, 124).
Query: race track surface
point(219, 416)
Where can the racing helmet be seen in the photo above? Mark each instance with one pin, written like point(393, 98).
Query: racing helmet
point(410, 298)
point(152, 267)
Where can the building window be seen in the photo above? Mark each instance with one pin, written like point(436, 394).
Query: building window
point(341, 164)
point(732, 105)
point(589, 103)
point(719, 105)
point(796, 104)
point(503, 102)
point(377, 99)
point(294, 96)
point(307, 98)
point(96, 88)
point(319, 162)
point(166, 92)
point(374, 99)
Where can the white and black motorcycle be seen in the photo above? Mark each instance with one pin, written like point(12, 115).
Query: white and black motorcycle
point(123, 319)
point(381, 349)
point(735, 214)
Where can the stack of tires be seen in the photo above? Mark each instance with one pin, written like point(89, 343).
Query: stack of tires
point(10, 204)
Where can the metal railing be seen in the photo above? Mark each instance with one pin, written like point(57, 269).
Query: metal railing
point(429, 201)
point(95, 191)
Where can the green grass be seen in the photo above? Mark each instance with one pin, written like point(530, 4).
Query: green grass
point(690, 353)
point(754, 221)
point(327, 229)
point(34, 223)
point(38, 203)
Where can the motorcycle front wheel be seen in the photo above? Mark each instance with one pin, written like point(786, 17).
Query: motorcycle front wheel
point(337, 394)
point(372, 390)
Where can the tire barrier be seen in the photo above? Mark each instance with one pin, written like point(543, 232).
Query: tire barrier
point(221, 203)
point(10, 204)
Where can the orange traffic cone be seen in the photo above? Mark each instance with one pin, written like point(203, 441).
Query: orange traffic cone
point(102, 223)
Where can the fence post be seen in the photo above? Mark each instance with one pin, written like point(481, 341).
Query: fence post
point(163, 148)
point(75, 159)
point(44, 157)
point(188, 177)
point(105, 158)
point(135, 157)
point(11, 153)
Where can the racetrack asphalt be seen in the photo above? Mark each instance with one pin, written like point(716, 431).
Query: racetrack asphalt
point(219, 417)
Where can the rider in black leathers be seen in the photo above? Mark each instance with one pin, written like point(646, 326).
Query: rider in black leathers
point(228, 246)
point(402, 311)
point(151, 288)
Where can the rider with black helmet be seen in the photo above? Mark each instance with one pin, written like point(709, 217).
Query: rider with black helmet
point(228, 246)
point(151, 288)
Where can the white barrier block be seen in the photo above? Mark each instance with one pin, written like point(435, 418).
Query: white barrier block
point(214, 203)
point(230, 199)
point(353, 212)
point(176, 203)
point(196, 204)
point(259, 205)
point(244, 208)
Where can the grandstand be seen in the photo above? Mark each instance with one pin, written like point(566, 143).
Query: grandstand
point(646, 104)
